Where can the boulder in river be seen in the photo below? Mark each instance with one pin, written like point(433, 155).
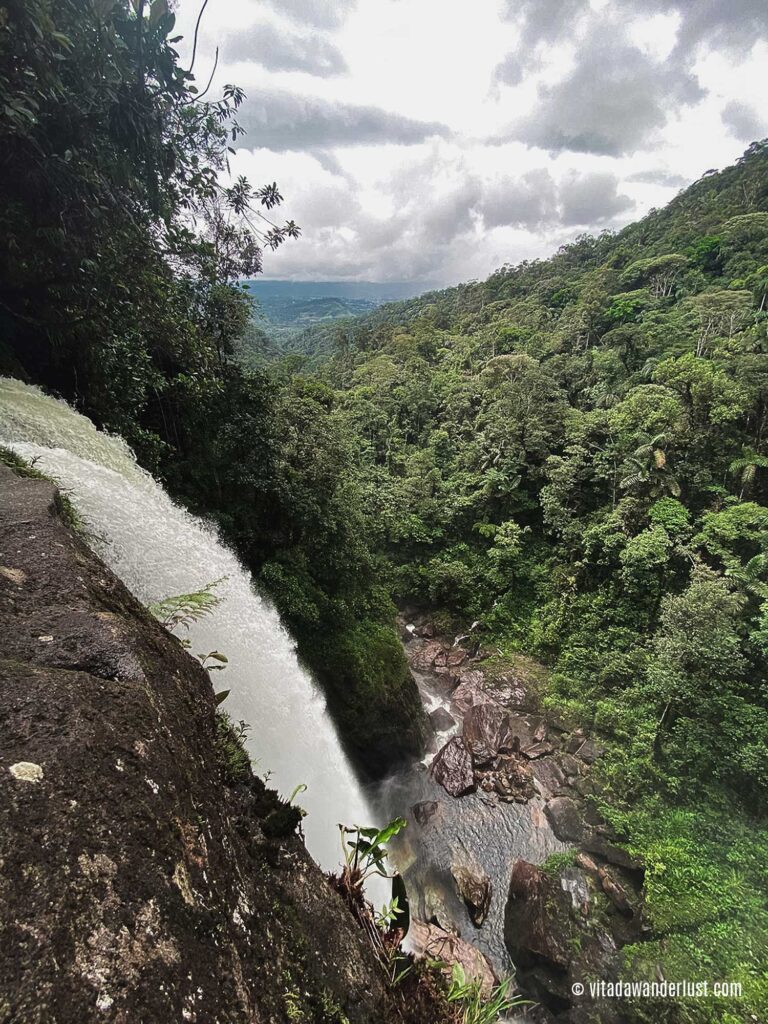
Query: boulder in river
point(549, 776)
point(565, 817)
point(442, 720)
point(487, 732)
point(538, 750)
point(452, 767)
point(554, 946)
point(425, 659)
point(470, 691)
point(455, 656)
point(434, 942)
point(528, 731)
point(475, 889)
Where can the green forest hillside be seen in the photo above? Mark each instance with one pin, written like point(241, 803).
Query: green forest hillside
point(573, 454)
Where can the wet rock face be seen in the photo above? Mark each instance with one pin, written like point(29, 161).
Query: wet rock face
point(452, 767)
point(556, 936)
point(475, 889)
point(434, 942)
point(487, 732)
point(137, 880)
point(424, 812)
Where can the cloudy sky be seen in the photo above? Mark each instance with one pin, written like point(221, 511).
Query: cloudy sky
point(434, 140)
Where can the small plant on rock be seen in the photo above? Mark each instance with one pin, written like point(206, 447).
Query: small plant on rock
point(184, 609)
point(475, 1009)
point(365, 852)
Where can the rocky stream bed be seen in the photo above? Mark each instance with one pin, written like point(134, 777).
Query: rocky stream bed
point(502, 789)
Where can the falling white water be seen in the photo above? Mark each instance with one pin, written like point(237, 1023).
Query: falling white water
point(159, 550)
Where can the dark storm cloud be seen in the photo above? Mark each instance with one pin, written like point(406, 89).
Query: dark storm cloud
point(611, 103)
point(526, 202)
point(286, 121)
point(591, 199)
point(535, 201)
point(279, 50)
point(743, 121)
point(320, 13)
point(659, 176)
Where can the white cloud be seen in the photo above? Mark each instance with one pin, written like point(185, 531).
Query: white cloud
point(427, 141)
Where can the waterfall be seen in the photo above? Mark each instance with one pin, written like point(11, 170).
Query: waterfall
point(158, 550)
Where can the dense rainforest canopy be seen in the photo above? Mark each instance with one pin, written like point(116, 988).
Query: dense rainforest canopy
point(574, 455)
point(571, 454)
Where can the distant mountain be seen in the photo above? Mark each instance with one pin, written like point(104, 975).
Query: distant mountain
point(372, 291)
point(294, 312)
point(287, 310)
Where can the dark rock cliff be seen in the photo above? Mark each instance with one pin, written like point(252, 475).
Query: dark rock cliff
point(139, 882)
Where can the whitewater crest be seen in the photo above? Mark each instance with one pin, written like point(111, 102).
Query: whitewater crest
point(158, 549)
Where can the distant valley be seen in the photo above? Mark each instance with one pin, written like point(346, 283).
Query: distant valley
point(286, 310)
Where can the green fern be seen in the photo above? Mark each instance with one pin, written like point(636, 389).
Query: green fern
point(184, 609)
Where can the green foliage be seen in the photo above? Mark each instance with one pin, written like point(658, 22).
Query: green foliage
point(230, 742)
point(182, 610)
point(388, 915)
point(556, 862)
point(705, 899)
point(365, 851)
point(20, 466)
point(475, 1008)
point(119, 245)
point(572, 454)
point(671, 515)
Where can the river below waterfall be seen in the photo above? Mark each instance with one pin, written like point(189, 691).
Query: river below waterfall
point(476, 832)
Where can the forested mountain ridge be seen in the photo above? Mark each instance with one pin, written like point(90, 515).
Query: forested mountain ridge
point(573, 453)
